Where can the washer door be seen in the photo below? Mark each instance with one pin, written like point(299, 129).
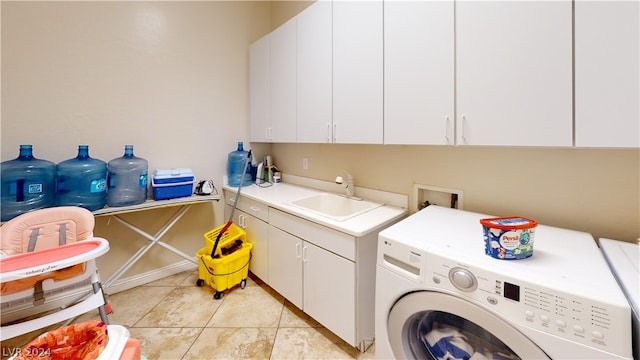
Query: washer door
point(433, 325)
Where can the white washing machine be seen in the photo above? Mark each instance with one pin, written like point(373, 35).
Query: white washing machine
point(624, 260)
point(436, 286)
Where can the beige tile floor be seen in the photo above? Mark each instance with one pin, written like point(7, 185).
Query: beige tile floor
point(174, 319)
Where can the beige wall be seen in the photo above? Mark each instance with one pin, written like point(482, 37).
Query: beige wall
point(171, 78)
point(582, 189)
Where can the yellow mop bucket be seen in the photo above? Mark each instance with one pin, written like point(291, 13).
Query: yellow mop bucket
point(230, 266)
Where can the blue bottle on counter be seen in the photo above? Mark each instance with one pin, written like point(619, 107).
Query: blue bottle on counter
point(82, 181)
point(235, 166)
point(27, 184)
point(127, 179)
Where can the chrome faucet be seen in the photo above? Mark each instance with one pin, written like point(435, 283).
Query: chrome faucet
point(348, 186)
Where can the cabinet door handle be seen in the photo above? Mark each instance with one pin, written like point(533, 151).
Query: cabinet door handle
point(241, 221)
point(328, 133)
point(298, 247)
point(446, 129)
point(334, 132)
point(462, 132)
point(304, 254)
point(254, 208)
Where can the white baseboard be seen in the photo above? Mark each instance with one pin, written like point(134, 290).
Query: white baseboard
point(149, 276)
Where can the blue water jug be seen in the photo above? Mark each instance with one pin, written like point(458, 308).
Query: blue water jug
point(27, 184)
point(82, 181)
point(127, 179)
point(235, 166)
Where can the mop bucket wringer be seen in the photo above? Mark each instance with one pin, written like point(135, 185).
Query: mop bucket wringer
point(230, 264)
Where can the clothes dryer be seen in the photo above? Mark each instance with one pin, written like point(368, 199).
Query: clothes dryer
point(439, 295)
point(624, 260)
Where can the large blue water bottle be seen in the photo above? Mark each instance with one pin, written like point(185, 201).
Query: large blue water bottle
point(82, 181)
point(235, 166)
point(127, 179)
point(27, 184)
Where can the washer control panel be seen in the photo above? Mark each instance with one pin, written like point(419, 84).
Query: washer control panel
point(587, 321)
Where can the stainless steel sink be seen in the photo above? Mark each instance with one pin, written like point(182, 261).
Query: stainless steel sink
point(334, 206)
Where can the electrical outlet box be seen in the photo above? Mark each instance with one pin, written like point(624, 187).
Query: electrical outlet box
point(436, 195)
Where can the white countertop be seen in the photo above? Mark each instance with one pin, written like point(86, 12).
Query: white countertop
point(280, 196)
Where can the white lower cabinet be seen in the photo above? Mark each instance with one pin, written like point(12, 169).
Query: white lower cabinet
point(285, 265)
point(251, 216)
point(315, 280)
point(329, 283)
point(328, 274)
point(257, 234)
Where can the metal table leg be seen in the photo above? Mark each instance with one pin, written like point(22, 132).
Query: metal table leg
point(153, 240)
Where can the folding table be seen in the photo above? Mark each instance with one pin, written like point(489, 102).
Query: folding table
point(183, 204)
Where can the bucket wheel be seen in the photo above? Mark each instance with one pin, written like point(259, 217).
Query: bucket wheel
point(217, 295)
point(199, 282)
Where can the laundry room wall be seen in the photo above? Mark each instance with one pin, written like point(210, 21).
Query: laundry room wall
point(596, 191)
point(171, 78)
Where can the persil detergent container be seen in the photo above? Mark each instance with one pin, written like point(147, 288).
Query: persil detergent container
point(509, 238)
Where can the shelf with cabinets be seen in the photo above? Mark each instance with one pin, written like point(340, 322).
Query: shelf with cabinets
point(419, 73)
point(314, 74)
point(512, 82)
point(358, 72)
point(607, 48)
point(324, 267)
point(272, 68)
point(456, 73)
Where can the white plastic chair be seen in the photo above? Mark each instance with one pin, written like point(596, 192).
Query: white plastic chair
point(47, 263)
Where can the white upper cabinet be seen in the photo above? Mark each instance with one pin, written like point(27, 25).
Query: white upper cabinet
point(514, 73)
point(607, 74)
point(260, 89)
point(283, 83)
point(272, 72)
point(314, 80)
point(357, 72)
point(419, 72)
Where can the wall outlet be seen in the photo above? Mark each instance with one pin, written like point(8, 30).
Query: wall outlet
point(436, 195)
point(305, 163)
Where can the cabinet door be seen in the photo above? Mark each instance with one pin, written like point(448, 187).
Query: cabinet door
point(329, 291)
point(257, 234)
point(285, 265)
point(419, 72)
point(283, 83)
point(606, 69)
point(357, 72)
point(514, 73)
point(314, 49)
point(260, 89)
